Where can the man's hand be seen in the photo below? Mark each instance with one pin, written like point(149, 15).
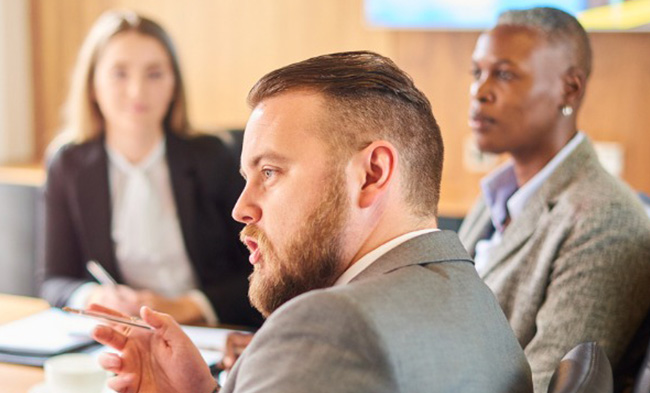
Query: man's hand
point(162, 360)
point(235, 344)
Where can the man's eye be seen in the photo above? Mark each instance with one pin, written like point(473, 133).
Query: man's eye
point(268, 173)
point(476, 73)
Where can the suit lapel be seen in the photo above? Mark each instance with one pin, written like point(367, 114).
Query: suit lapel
point(434, 247)
point(540, 204)
point(517, 233)
point(476, 226)
point(182, 173)
point(91, 186)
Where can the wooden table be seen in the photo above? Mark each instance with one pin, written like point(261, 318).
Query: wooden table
point(15, 378)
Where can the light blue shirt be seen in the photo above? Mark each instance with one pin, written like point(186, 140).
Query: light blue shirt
point(504, 199)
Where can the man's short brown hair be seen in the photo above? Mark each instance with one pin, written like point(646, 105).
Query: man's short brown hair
point(370, 98)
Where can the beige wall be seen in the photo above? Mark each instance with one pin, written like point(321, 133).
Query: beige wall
point(16, 136)
point(226, 45)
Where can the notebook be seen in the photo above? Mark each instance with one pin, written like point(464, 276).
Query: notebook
point(33, 339)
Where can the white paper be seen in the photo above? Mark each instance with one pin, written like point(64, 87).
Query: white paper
point(46, 333)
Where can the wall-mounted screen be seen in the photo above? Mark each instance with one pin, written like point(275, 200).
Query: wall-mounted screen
point(633, 15)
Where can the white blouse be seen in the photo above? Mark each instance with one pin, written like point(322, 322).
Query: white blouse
point(149, 244)
point(145, 227)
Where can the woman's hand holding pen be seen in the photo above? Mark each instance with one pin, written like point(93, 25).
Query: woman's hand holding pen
point(183, 309)
point(129, 301)
point(110, 294)
point(117, 297)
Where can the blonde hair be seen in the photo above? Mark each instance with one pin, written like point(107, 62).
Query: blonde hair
point(82, 119)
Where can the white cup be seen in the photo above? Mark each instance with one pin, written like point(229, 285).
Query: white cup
point(74, 373)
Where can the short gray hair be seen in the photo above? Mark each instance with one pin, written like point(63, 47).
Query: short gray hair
point(557, 26)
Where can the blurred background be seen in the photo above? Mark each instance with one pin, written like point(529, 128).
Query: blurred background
point(226, 45)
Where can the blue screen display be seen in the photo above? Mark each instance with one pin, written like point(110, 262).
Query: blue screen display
point(481, 14)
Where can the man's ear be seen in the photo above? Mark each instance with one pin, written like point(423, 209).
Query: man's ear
point(574, 81)
point(378, 165)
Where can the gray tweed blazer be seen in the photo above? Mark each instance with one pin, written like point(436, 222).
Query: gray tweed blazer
point(574, 267)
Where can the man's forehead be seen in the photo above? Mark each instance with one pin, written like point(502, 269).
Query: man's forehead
point(282, 126)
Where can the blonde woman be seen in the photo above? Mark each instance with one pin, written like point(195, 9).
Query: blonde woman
point(134, 191)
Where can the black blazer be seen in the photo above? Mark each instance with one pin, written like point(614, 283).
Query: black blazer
point(206, 185)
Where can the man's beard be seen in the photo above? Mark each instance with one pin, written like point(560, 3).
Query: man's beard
point(311, 260)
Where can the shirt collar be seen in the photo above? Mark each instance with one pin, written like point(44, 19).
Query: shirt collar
point(367, 260)
point(497, 188)
point(500, 187)
point(118, 160)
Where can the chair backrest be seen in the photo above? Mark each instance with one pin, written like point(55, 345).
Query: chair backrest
point(630, 370)
point(642, 384)
point(584, 369)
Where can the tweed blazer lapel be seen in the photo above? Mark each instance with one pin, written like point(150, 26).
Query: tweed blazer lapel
point(581, 162)
point(183, 177)
point(477, 225)
point(517, 233)
point(91, 189)
point(540, 204)
point(434, 247)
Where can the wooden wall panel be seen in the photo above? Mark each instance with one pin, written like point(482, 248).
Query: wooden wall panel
point(439, 63)
point(615, 108)
point(226, 45)
point(617, 104)
point(58, 28)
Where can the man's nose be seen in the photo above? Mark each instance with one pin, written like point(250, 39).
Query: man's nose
point(245, 210)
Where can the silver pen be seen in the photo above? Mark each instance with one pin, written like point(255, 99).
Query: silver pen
point(100, 274)
point(132, 321)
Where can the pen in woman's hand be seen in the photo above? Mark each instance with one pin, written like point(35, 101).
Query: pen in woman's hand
point(100, 274)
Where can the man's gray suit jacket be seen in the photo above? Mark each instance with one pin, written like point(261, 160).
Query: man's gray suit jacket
point(574, 267)
point(419, 319)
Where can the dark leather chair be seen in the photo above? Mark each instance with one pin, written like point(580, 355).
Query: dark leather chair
point(584, 369)
point(642, 384)
point(629, 373)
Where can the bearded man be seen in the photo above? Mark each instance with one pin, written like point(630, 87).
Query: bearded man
point(342, 159)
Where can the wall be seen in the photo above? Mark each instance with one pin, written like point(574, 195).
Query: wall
point(615, 108)
point(18, 203)
point(226, 45)
point(16, 136)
